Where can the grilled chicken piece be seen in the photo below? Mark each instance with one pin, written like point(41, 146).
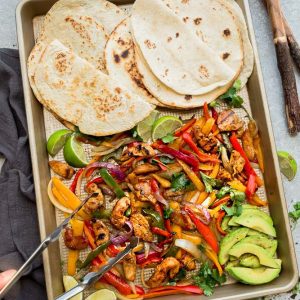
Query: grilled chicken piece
point(94, 203)
point(62, 169)
point(141, 149)
point(74, 242)
point(208, 143)
point(236, 162)
point(129, 266)
point(143, 191)
point(169, 266)
point(182, 219)
point(247, 142)
point(101, 232)
point(141, 227)
point(188, 262)
point(228, 120)
point(170, 194)
point(224, 175)
point(145, 168)
point(117, 216)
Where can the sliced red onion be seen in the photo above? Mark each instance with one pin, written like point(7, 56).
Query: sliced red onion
point(161, 199)
point(147, 249)
point(120, 239)
point(114, 169)
point(156, 248)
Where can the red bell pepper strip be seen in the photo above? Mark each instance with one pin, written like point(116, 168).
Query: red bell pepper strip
point(188, 288)
point(204, 230)
point(74, 182)
point(168, 225)
point(95, 180)
point(120, 284)
point(112, 250)
point(214, 113)
point(221, 201)
point(206, 111)
point(140, 258)
point(251, 186)
point(139, 290)
point(203, 157)
point(219, 221)
point(185, 127)
point(149, 261)
point(187, 159)
point(161, 232)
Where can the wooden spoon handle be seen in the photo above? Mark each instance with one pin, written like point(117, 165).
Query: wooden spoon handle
point(285, 66)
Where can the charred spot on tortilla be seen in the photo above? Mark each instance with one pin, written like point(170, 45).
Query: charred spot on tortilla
point(185, 1)
point(188, 97)
point(226, 32)
point(61, 62)
point(177, 34)
point(116, 58)
point(185, 19)
point(125, 53)
point(203, 71)
point(149, 44)
point(197, 21)
point(169, 39)
point(121, 42)
point(225, 55)
point(118, 90)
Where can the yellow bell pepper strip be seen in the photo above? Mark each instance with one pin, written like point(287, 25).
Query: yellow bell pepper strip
point(215, 171)
point(203, 157)
point(212, 255)
point(192, 238)
point(206, 129)
point(162, 181)
point(204, 230)
point(188, 196)
point(202, 197)
point(237, 185)
point(205, 167)
point(259, 153)
point(257, 201)
point(77, 226)
point(59, 197)
point(185, 127)
point(192, 175)
point(70, 198)
point(200, 123)
point(177, 230)
point(174, 205)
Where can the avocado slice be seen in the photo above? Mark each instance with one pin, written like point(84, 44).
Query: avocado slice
point(234, 263)
point(252, 232)
point(264, 258)
point(262, 241)
point(228, 241)
point(250, 211)
point(224, 224)
point(253, 276)
point(257, 222)
point(250, 261)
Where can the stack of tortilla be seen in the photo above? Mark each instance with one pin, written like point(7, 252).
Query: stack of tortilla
point(97, 68)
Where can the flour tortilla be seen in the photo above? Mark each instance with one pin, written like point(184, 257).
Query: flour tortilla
point(174, 54)
point(83, 26)
point(120, 62)
point(166, 95)
point(80, 94)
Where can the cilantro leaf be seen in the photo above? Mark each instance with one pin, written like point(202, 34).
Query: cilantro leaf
point(295, 214)
point(169, 138)
point(214, 103)
point(210, 182)
point(179, 276)
point(231, 96)
point(166, 160)
point(167, 213)
point(223, 191)
point(180, 181)
point(208, 278)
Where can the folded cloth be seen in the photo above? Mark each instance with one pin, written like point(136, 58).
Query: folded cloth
point(19, 234)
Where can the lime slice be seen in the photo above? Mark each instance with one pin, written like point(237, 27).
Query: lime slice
point(69, 283)
point(102, 295)
point(144, 127)
point(57, 140)
point(165, 125)
point(288, 165)
point(74, 153)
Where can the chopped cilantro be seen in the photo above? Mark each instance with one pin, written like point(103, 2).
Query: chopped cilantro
point(210, 182)
point(166, 160)
point(179, 276)
point(208, 278)
point(169, 138)
point(180, 181)
point(167, 213)
point(231, 96)
point(295, 214)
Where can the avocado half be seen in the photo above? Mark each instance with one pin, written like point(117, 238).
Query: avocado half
point(253, 276)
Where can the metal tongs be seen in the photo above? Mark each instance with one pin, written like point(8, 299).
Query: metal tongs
point(92, 277)
point(52, 237)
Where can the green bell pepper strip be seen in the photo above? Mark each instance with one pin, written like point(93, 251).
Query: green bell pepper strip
point(109, 180)
point(93, 254)
point(156, 217)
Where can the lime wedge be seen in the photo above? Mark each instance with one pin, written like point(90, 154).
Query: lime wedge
point(288, 165)
point(102, 295)
point(74, 153)
point(165, 125)
point(69, 283)
point(57, 140)
point(144, 127)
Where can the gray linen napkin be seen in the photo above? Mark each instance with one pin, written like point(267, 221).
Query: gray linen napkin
point(19, 235)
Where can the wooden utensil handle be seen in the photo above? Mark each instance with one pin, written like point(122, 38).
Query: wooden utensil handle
point(285, 67)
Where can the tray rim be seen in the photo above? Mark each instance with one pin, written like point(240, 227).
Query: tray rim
point(31, 111)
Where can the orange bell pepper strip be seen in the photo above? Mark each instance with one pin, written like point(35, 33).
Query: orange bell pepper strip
point(192, 175)
point(215, 171)
point(204, 230)
point(185, 127)
point(208, 126)
point(212, 255)
point(223, 200)
point(206, 113)
point(255, 200)
point(259, 153)
point(219, 221)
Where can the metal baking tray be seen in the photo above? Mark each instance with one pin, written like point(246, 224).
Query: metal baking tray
point(25, 13)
